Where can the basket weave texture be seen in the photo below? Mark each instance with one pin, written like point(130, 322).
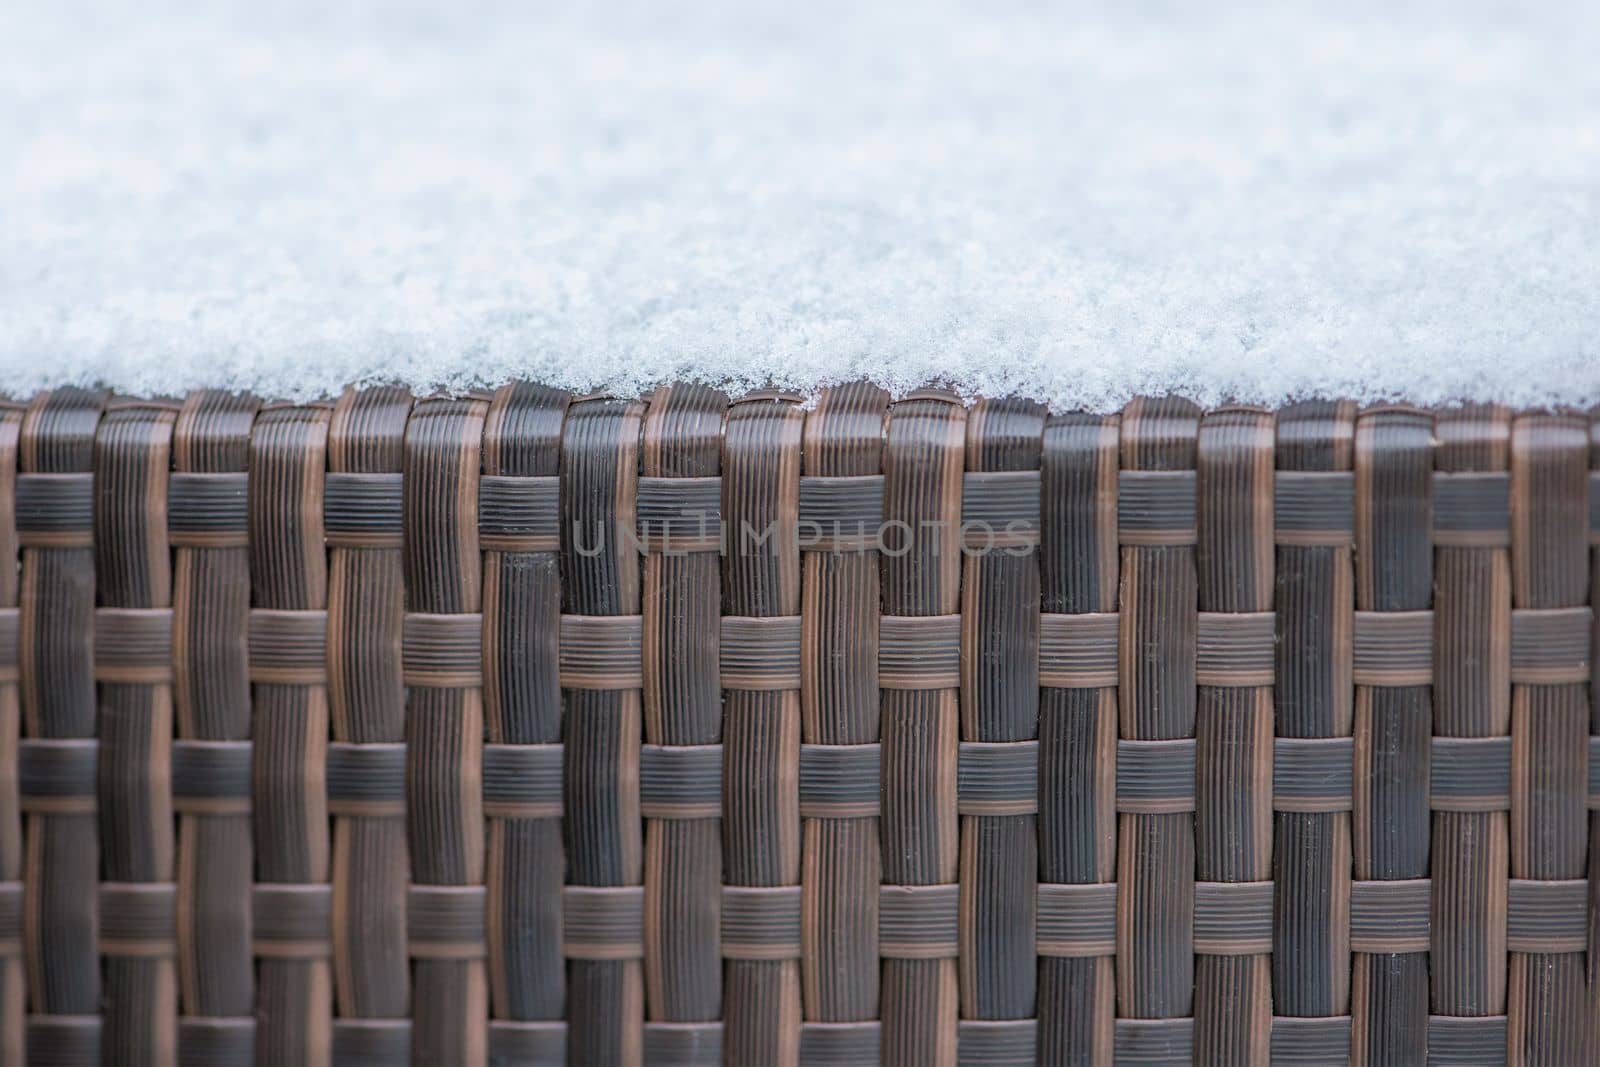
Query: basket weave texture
point(529, 729)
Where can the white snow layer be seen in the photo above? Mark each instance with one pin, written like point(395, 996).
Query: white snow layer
point(1077, 204)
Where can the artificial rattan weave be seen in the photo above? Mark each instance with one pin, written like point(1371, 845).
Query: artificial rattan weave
point(530, 729)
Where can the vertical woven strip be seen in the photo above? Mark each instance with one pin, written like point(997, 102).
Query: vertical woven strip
point(1234, 736)
point(61, 908)
point(133, 571)
point(1594, 732)
point(681, 463)
point(518, 515)
point(1545, 1001)
point(1079, 568)
point(443, 672)
point(367, 710)
point(1314, 621)
point(1471, 717)
point(840, 762)
point(999, 860)
point(13, 989)
point(1393, 727)
point(760, 677)
point(922, 466)
point(601, 676)
point(292, 914)
point(212, 756)
point(1157, 646)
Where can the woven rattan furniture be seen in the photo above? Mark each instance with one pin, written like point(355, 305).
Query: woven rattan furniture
point(479, 730)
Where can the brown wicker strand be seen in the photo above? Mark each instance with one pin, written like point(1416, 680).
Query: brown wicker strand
point(1593, 1035)
point(600, 576)
point(443, 673)
point(61, 920)
point(761, 731)
point(133, 570)
point(1546, 1004)
point(922, 465)
point(681, 780)
point(292, 915)
point(211, 691)
point(841, 864)
point(525, 862)
point(13, 987)
point(999, 859)
point(1314, 605)
point(1233, 734)
point(1157, 649)
point(1079, 579)
point(1471, 730)
point(367, 710)
point(1393, 716)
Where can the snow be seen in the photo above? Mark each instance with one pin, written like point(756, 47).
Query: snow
point(1077, 203)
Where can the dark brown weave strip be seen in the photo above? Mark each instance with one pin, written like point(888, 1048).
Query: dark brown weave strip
point(1078, 568)
point(1000, 718)
point(1593, 946)
point(525, 864)
point(683, 863)
point(211, 611)
point(444, 735)
point(761, 826)
point(524, 730)
point(292, 932)
point(366, 704)
point(1547, 1009)
point(1233, 727)
point(13, 989)
point(922, 467)
point(55, 659)
point(133, 570)
point(1393, 713)
point(1472, 699)
point(841, 866)
point(1156, 845)
point(600, 575)
point(1314, 604)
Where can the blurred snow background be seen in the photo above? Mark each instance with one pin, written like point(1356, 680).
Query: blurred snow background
point(1076, 203)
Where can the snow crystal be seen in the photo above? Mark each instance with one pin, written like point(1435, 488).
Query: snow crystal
point(1077, 204)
